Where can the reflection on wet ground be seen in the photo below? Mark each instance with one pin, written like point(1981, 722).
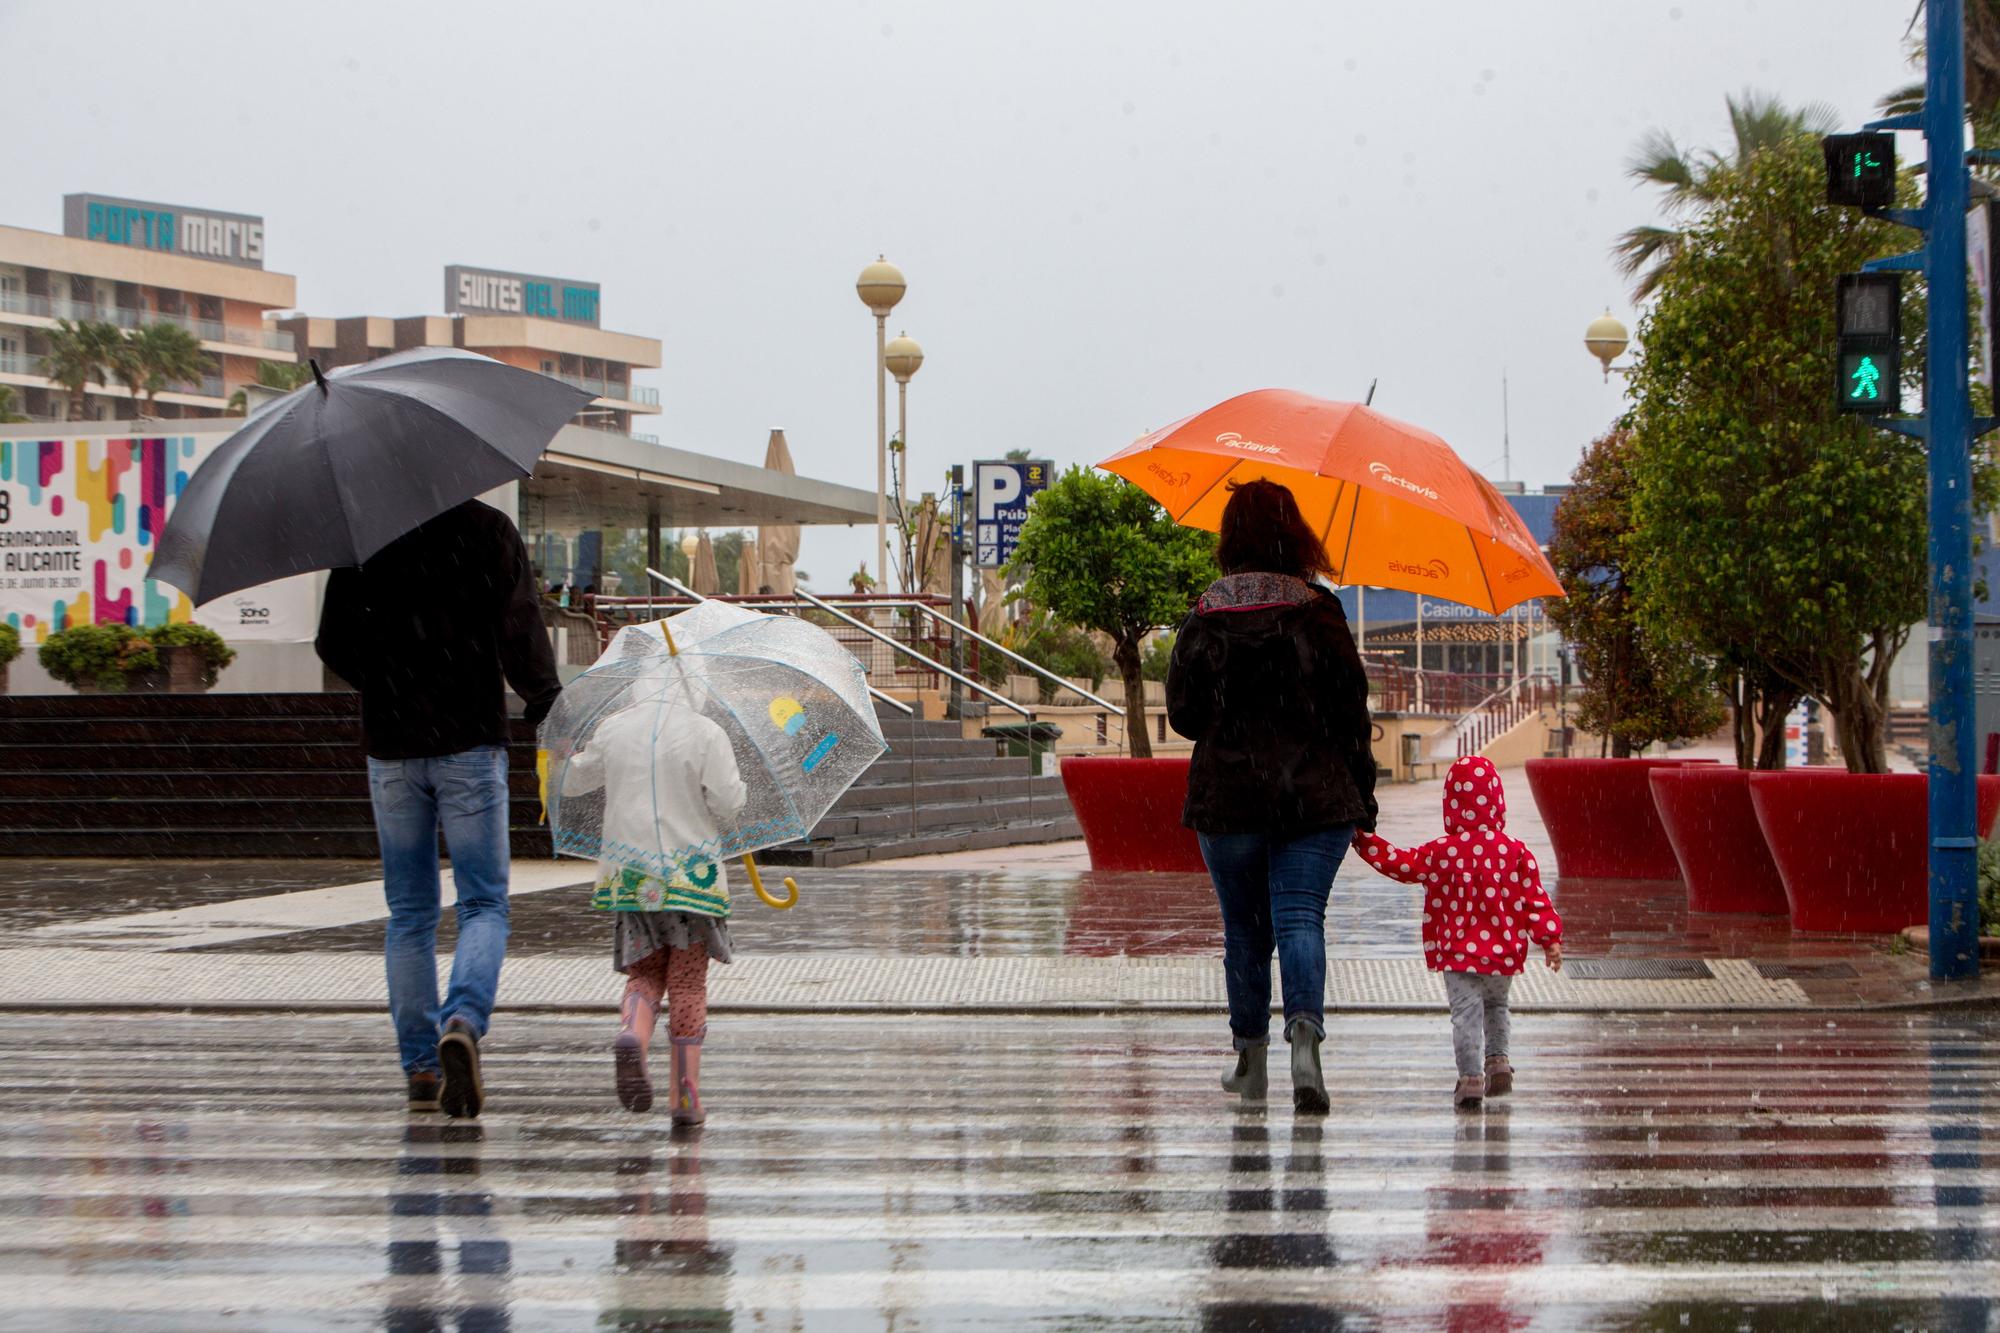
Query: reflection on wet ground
point(966, 913)
point(47, 892)
point(1649, 1173)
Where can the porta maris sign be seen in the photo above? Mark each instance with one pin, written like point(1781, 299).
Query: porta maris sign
point(80, 517)
point(195, 233)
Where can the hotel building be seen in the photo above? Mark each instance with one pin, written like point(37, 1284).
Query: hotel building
point(132, 264)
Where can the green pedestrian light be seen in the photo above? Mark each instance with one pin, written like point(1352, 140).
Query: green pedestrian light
point(1870, 359)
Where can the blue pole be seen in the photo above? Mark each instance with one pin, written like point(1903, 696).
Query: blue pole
point(1954, 905)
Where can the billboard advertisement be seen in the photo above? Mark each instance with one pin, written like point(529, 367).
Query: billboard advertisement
point(79, 518)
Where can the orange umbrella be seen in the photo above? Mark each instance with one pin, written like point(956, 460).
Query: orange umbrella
point(1394, 505)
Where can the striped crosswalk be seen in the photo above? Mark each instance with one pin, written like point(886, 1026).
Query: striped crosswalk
point(1651, 1172)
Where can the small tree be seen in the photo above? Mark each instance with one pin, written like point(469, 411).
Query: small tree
point(79, 355)
point(1637, 687)
point(10, 404)
point(1097, 552)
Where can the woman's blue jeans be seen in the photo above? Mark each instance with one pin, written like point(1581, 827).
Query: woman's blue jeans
point(1273, 893)
point(465, 794)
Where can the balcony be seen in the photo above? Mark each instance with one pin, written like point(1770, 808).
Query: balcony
point(624, 393)
point(208, 330)
point(209, 386)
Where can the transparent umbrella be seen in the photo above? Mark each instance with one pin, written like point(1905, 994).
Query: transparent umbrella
point(693, 741)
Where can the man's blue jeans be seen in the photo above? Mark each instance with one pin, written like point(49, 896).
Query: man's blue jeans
point(1273, 891)
point(466, 795)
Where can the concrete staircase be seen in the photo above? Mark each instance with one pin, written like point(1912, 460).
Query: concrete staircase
point(935, 792)
point(282, 775)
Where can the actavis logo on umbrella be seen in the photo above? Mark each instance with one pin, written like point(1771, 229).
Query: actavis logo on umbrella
point(1382, 470)
point(1231, 439)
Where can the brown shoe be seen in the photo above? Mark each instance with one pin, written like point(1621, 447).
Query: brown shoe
point(1499, 1077)
point(1470, 1092)
point(424, 1090)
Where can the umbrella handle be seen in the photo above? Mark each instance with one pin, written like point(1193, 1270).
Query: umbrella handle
point(757, 883)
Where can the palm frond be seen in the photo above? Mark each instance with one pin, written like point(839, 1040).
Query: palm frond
point(1903, 101)
point(1646, 254)
point(1658, 160)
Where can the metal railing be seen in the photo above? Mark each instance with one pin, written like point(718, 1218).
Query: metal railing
point(12, 363)
point(1495, 715)
point(1061, 683)
point(125, 317)
point(603, 388)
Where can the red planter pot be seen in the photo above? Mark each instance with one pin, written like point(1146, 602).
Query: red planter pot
point(1853, 848)
point(1706, 811)
point(1130, 810)
point(1601, 819)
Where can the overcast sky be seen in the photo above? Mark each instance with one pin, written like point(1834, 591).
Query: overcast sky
point(1111, 214)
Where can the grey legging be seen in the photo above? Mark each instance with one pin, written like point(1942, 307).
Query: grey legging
point(1479, 1025)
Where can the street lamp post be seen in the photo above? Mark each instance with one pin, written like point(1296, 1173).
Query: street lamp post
point(902, 356)
point(880, 286)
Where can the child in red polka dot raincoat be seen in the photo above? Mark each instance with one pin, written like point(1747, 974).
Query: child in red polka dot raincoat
point(1483, 903)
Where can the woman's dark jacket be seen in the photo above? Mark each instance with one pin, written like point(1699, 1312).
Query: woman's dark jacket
point(1267, 683)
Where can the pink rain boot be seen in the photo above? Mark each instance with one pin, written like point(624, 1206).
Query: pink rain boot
point(635, 1086)
point(687, 1081)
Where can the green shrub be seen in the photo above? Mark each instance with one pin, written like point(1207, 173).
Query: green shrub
point(1989, 887)
point(1159, 655)
point(215, 654)
point(10, 644)
point(101, 655)
point(1064, 649)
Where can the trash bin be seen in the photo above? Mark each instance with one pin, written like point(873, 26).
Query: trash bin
point(1018, 737)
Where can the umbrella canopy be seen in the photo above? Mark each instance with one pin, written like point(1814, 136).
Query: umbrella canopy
point(705, 578)
point(1395, 506)
point(331, 473)
point(778, 543)
point(771, 710)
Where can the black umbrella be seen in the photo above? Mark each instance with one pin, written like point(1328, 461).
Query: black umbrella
point(328, 475)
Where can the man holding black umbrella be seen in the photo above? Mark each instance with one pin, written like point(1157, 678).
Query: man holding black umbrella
point(366, 471)
point(426, 629)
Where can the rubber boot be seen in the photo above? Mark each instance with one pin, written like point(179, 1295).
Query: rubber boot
point(1471, 1090)
point(628, 1052)
point(1251, 1077)
point(1499, 1076)
point(687, 1081)
point(1308, 1084)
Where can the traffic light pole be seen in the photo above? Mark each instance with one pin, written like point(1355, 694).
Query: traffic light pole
point(1948, 428)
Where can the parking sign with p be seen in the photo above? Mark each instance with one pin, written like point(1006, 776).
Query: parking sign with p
point(1000, 493)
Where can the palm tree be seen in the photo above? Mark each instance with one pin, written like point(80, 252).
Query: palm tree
point(1982, 71)
point(10, 404)
point(280, 375)
point(1693, 177)
point(80, 354)
point(167, 354)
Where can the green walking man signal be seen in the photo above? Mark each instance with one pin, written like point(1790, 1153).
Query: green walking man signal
point(1867, 380)
point(1869, 360)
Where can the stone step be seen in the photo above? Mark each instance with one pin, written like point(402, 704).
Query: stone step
point(149, 814)
point(228, 844)
point(890, 822)
point(926, 843)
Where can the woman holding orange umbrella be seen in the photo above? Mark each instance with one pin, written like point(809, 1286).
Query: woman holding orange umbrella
point(1266, 680)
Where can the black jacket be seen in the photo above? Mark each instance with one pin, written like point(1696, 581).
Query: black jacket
point(427, 627)
point(1267, 683)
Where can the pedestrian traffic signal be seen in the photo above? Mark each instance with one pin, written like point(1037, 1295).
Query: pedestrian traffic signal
point(1869, 373)
point(1860, 169)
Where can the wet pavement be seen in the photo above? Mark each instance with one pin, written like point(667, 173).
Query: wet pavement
point(176, 1172)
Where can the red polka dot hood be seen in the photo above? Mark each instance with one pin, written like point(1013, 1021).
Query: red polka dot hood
point(1483, 896)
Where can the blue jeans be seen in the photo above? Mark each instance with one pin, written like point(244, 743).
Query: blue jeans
point(466, 795)
point(1273, 891)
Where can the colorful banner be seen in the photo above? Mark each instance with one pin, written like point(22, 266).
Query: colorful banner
point(79, 518)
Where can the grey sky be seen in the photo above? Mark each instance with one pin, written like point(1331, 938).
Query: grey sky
point(1110, 214)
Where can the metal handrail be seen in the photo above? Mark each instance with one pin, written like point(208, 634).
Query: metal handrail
point(674, 583)
point(1450, 734)
point(929, 664)
point(1011, 655)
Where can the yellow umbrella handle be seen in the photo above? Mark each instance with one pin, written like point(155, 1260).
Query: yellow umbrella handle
point(542, 782)
point(757, 883)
